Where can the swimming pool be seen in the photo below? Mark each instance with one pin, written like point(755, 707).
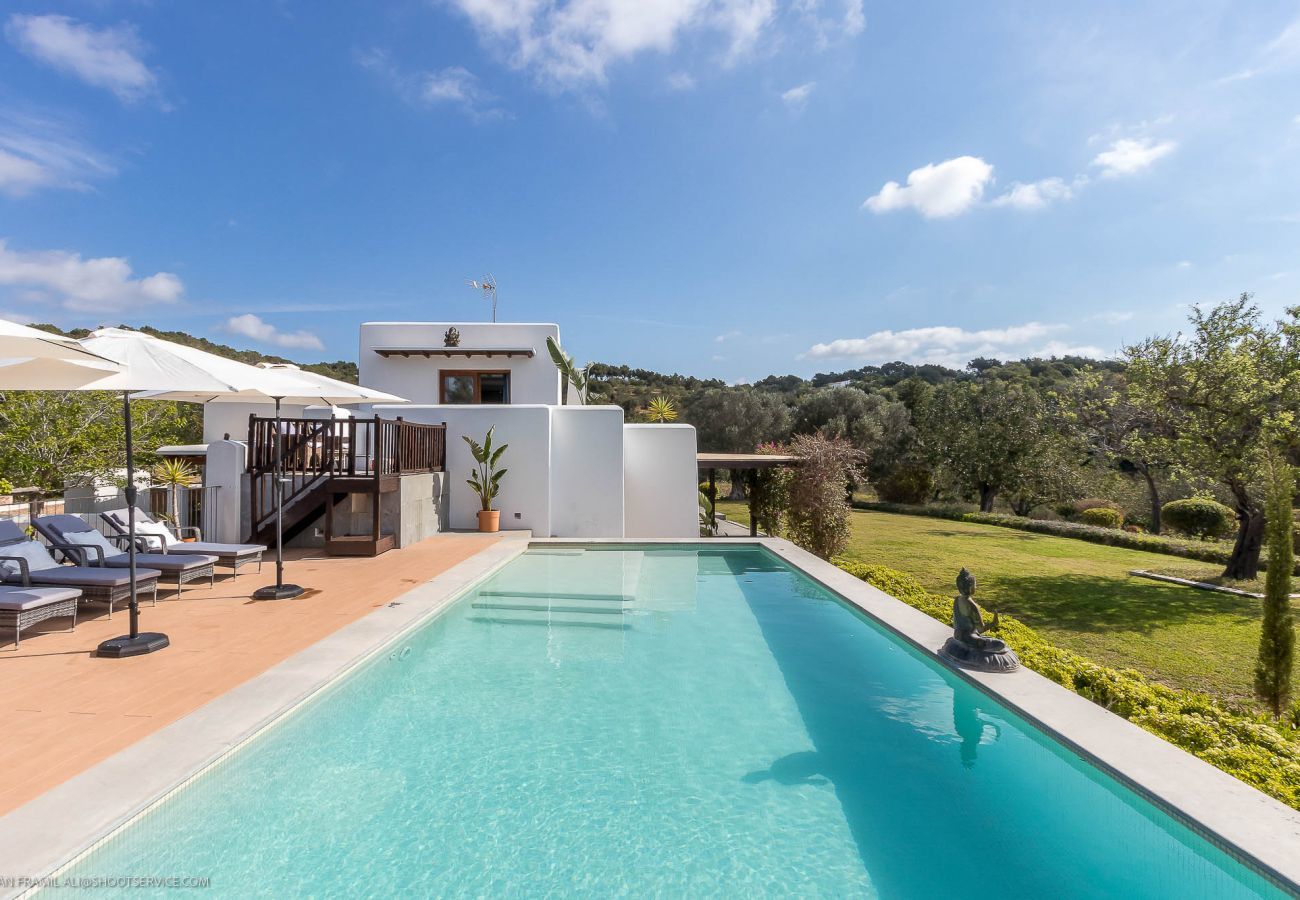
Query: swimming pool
point(661, 721)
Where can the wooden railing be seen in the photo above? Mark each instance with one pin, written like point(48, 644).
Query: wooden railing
point(313, 450)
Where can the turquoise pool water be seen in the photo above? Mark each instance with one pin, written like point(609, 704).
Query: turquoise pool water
point(661, 722)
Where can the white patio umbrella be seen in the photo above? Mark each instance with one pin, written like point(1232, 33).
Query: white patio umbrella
point(151, 364)
point(280, 383)
point(35, 360)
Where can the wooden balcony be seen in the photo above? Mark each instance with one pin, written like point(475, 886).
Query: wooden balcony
point(324, 461)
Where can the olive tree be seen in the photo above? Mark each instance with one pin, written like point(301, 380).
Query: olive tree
point(737, 420)
point(1229, 390)
point(986, 438)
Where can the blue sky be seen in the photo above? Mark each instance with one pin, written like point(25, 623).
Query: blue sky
point(729, 188)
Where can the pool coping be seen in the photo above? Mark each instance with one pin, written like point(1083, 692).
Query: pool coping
point(40, 837)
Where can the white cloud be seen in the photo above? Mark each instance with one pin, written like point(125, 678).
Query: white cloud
point(107, 57)
point(1184, 264)
point(571, 44)
point(1036, 194)
point(947, 345)
point(251, 326)
point(727, 336)
point(938, 190)
point(454, 85)
point(1281, 51)
point(1111, 318)
point(681, 81)
point(1129, 156)
point(829, 22)
point(104, 284)
point(797, 97)
point(38, 153)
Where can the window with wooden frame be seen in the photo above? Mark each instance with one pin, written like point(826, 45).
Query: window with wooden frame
point(474, 386)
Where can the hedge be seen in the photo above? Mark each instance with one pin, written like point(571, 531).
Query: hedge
point(1242, 742)
point(1203, 551)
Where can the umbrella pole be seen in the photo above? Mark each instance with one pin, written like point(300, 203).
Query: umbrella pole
point(135, 643)
point(279, 590)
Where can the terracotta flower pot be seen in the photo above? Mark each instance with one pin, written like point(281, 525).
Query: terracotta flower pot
point(489, 520)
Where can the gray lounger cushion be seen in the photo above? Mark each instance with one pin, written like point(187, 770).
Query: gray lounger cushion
point(97, 577)
point(223, 549)
point(21, 599)
point(165, 562)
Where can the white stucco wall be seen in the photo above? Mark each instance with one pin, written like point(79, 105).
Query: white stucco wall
point(534, 380)
point(524, 500)
point(660, 481)
point(587, 471)
point(220, 419)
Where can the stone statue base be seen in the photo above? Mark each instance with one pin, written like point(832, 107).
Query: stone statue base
point(994, 656)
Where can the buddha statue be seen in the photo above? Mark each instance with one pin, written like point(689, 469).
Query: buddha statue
point(969, 646)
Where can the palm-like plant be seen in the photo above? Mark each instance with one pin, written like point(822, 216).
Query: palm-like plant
point(486, 478)
point(569, 372)
point(174, 474)
point(661, 409)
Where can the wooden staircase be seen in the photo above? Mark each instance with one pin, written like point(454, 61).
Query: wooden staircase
point(325, 462)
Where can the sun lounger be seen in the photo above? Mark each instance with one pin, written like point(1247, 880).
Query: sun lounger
point(24, 606)
point(78, 540)
point(29, 563)
point(158, 536)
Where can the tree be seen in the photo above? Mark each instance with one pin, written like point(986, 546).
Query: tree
point(984, 437)
point(819, 509)
point(1228, 389)
point(1138, 439)
point(880, 428)
point(1277, 637)
point(737, 420)
point(49, 437)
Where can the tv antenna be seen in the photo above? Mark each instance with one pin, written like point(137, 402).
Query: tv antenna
point(488, 286)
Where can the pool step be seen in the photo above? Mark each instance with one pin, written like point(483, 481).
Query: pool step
point(566, 596)
point(606, 610)
point(550, 619)
point(526, 608)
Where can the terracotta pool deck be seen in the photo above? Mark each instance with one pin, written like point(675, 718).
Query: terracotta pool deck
point(64, 709)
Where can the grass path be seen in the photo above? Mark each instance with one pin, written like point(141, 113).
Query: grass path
point(1077, 594)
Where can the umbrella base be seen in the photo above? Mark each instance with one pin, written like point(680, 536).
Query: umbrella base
point(125, 646)
point(278, 592)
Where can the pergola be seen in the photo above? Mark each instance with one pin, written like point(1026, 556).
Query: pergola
point(750, 463)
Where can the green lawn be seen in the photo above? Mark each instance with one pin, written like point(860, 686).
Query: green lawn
point(1077, 594)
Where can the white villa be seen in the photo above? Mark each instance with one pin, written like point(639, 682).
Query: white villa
point(574, 470)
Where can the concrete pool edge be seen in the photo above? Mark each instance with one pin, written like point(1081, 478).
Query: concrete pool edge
point(1244, 822)
point(40, 838)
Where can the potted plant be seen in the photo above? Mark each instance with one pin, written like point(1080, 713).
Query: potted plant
point(486, 479)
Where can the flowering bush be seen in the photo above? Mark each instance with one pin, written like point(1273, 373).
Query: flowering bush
point(1245, 744)
point(819, 507)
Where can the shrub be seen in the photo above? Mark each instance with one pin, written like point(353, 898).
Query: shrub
point(1078, 507)
point(1198, 517)
point(906, 484)
point(1240, 741)
point(1102, 517)
point(818, 511)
